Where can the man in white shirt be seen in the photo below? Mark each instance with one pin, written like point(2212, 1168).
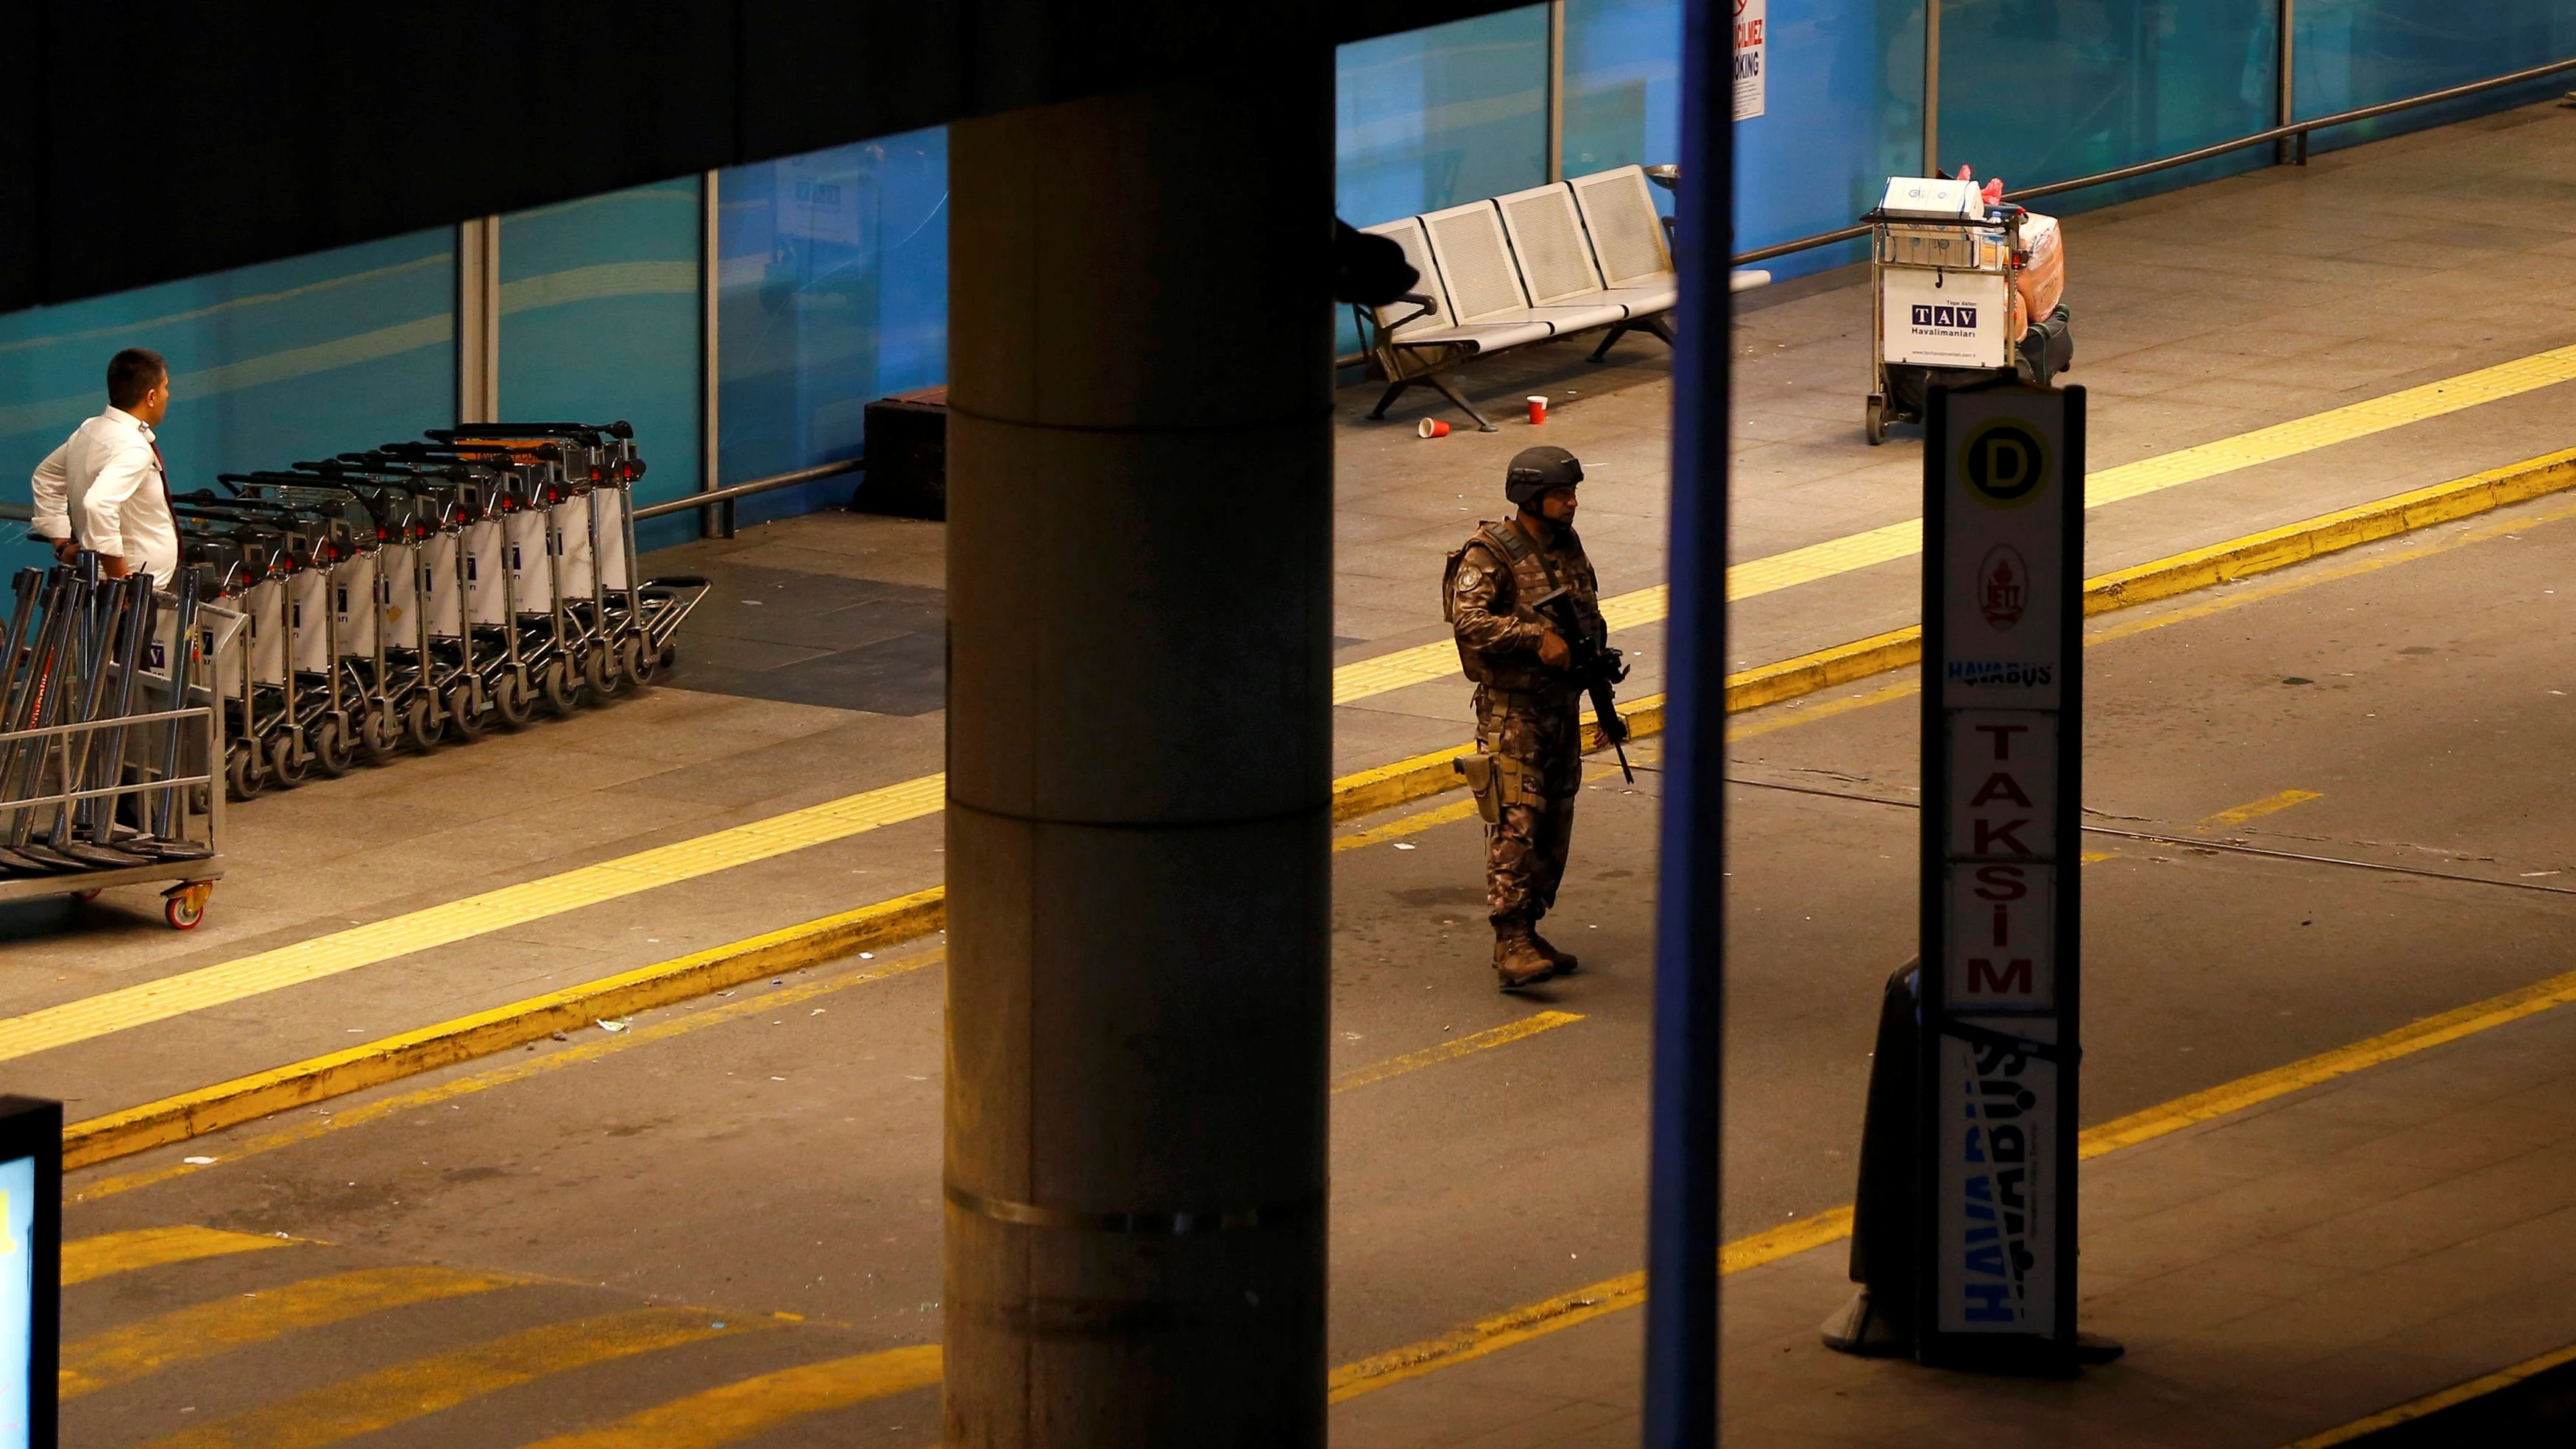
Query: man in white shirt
point(104, 488)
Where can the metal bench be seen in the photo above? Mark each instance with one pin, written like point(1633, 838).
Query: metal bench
point(1514, 270)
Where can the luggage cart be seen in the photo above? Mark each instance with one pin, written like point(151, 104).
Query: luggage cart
point(1953, 282)
point(97, 787)
point(422, 591)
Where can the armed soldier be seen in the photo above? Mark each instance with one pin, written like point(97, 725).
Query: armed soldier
point(1525, 604)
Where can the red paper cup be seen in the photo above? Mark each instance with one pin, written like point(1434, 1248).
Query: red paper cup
point(1432, 428)
point(1538, 408)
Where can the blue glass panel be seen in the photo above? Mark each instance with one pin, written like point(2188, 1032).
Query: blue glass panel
point(1431, 118)
point(1842, 112)
point(2354, 53)
point(599, 321)
point(832, 274)
point(1623, 84)
point(2037, 91)
point(269, 364)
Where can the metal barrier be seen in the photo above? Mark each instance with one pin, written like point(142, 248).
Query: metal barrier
point(717, 503)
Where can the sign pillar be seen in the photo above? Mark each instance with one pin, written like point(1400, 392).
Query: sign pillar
point(2002, 710)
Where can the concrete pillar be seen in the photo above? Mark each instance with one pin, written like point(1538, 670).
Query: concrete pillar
point(1140, 600)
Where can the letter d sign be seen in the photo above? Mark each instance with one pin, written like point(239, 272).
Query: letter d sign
point(2003, 462)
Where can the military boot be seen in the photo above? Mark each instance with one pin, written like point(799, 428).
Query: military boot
point(1517, 958)
point(1565, 962)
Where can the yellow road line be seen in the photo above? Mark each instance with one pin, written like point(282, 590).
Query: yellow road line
point(1519, 1325)
point(2405, 1041)
point(1486, 1040)
point(1484, 1336)
point(136, 1350)
point(588, 1051)
point(340, 1411)
point(2434, 1403)
point(2268, 805)
point(92, 1258)
point(1891, 542)
point(1610, 1295)
point(461, 920)
point(737, 1411)
point(1409, 825)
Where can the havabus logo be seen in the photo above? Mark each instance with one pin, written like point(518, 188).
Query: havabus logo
point(1945, 314)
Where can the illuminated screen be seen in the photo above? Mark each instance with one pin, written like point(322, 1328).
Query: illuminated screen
point(17, 1294)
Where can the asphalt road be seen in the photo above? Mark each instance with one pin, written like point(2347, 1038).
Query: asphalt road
point(777, 1151)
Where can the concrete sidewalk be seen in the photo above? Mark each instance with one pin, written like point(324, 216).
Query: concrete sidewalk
point(2275, 1274)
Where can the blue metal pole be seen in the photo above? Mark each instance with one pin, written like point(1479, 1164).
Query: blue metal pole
point(1690, 1004)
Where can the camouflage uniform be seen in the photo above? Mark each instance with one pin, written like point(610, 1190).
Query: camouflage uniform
point(1527, 714)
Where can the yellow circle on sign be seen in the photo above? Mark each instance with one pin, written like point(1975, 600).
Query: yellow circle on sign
point(2004, 462)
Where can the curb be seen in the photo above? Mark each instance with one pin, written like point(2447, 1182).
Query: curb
point(244, 1099)
point(315, 1079)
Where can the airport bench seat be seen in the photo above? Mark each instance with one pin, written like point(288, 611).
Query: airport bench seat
point(1520, 269)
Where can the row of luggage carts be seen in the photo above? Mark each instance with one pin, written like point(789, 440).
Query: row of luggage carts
point(425, 592)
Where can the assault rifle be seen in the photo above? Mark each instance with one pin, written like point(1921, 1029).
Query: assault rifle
point(1595, 668)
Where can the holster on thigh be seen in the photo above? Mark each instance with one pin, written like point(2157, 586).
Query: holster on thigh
point(1480, 775)
point(1500, 781)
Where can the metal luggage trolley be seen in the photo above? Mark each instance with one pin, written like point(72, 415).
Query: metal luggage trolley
point(98, 786)
point(1946, 286)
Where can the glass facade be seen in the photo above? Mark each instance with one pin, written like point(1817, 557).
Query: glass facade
point(269, 364)
point(2037, 91)
point(1842, 112)
point(832, 268)
point(1432, 118)
point(1623, 84)
point(599, 321)
point(832, 277)
point(2354, 53)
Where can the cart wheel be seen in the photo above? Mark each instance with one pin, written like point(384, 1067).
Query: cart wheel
point(600, 672)
point(560, 690)
point(331, 753)
point(285, 769)
point(243, 777)
point(1873, 421)
point(417, 730)
point(461, 716)
point(184, 907)
point(635, 662)
point(379, 735)
point(510, 701)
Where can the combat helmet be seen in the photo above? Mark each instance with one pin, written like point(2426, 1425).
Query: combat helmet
point(1536, 470)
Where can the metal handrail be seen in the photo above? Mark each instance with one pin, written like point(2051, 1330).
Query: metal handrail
point(730, 492)
point(2299, 129)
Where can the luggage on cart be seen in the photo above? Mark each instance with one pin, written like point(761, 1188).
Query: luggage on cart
point(1965, 288)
